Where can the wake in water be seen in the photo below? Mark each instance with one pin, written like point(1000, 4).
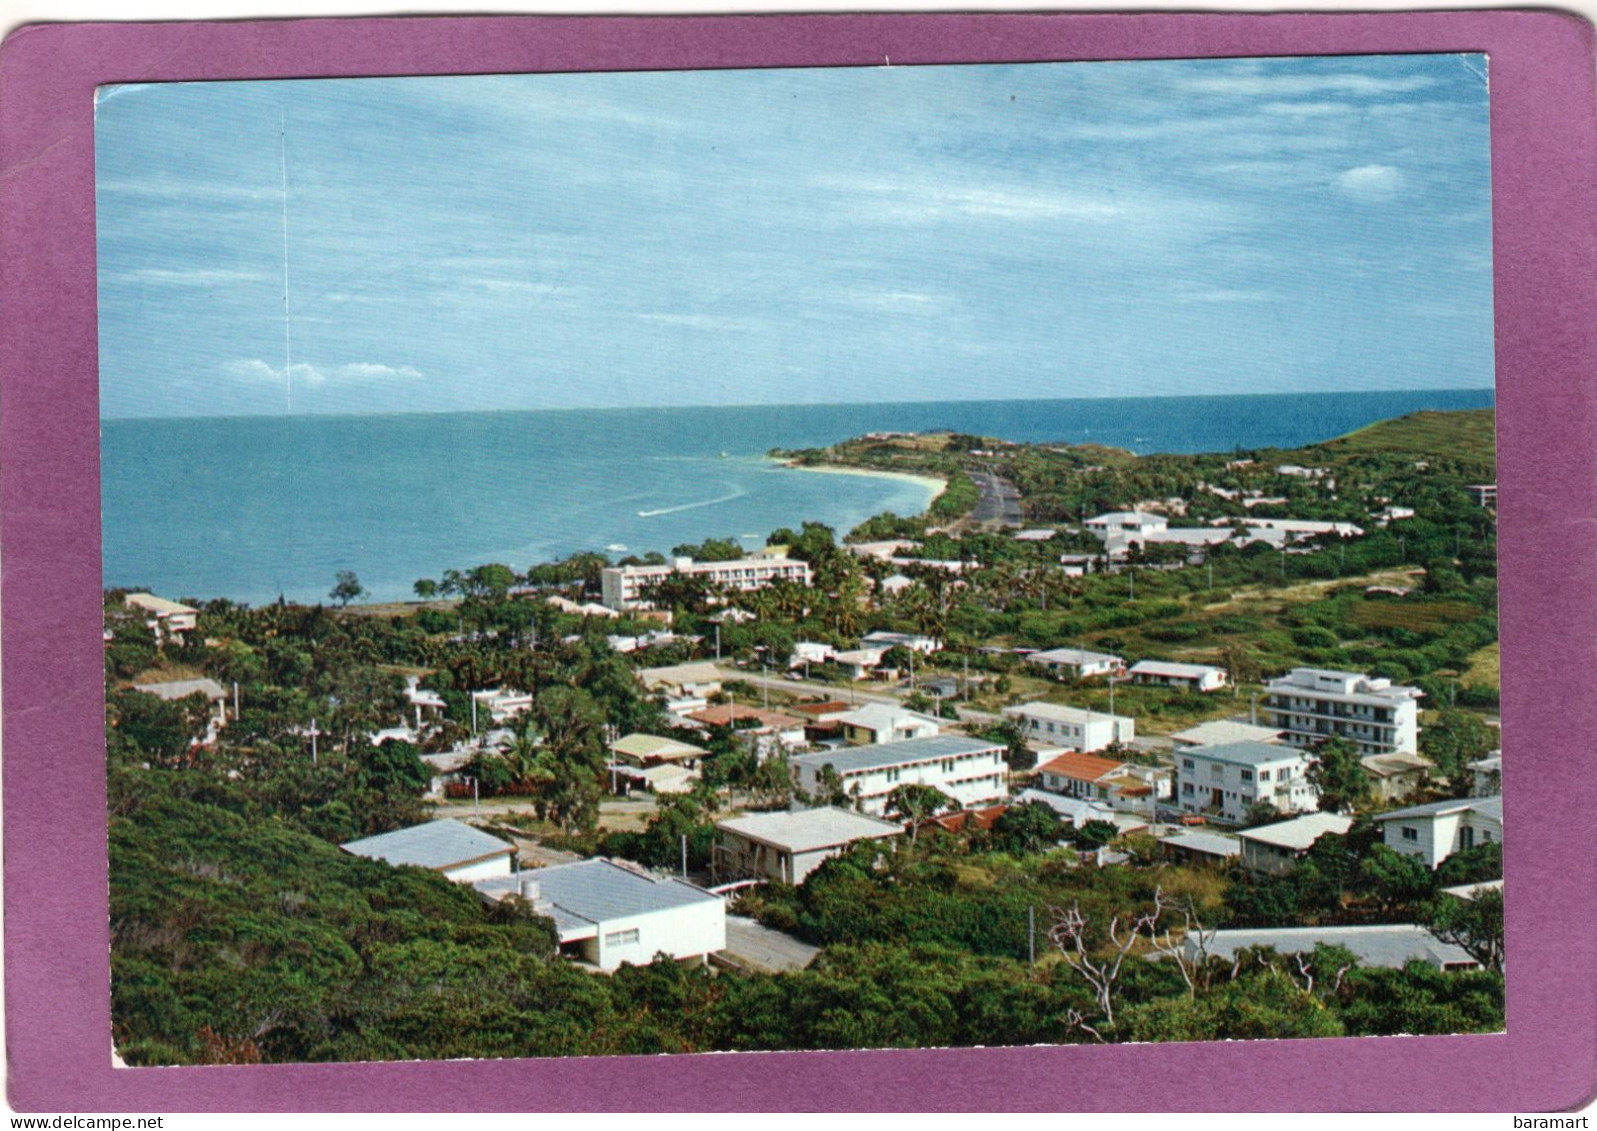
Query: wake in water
point(738, 494)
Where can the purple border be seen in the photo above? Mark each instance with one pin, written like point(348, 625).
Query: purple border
point(1544, 156)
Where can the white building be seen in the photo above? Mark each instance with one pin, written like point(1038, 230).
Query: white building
point(166, 619)
point(1273, 849)
point(457, 850)
point(970, 770)
point(1218, 732)
point(176, 690)
point(1297, 528)
point(1188, 677)
point(1434, 832)
point(883, 722)
point(688, 681)
point(788, 846)
point(925, 645)
point(1074, 728)
point(1126, 522)
point(626, 587)
point(1077, 663)
point(859, 663)
point(1312, 705)
point(502, 703)
point(1223, 781)
point(811, 652)
point(1487, 775)
point(1391, 945)
point(611, 914)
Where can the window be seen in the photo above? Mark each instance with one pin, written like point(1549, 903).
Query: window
point(1410, 833)
point(621, 938)
point(1247, 775)
point(1264, 775)
point(1188, 764)
point(1186, 789)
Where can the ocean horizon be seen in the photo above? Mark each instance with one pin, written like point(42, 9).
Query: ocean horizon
point(256, 507)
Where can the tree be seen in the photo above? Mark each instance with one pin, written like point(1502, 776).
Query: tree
point(915, 803)
point(1096, 834)
point(426, 589)
point(1017, 754)
point(1474, 924)
point(1393, 879)
point(1339, 776)
point(1453, 741)
point(1026, 828)
point(346, 588)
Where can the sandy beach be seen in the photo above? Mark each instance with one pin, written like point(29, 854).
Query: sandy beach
point(931, 483)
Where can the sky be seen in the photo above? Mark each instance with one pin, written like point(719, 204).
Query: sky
point(834, 235)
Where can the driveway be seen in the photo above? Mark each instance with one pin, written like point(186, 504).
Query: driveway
point(752, 945)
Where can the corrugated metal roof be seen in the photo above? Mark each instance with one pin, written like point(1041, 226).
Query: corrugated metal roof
point(653, 746)
point(183, 688)
point(437, 845)
point(1300, 832)
point(809, 829)
point(1169, 668)
point(597, 891)
point(897, 753)
point(1243, 753)
point(1391, 945)
point(1486, 806)
point(1211, 843)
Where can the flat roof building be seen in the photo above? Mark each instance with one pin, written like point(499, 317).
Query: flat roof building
point(1313, 704)
point(970, 770)
point(788, 846)
point(627, 587)
point(1274, 849)
point(457, 850)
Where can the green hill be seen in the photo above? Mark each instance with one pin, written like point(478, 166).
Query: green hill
point(1468, 436)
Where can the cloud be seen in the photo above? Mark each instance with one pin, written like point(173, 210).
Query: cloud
point(899, 302)
point(700, 321)
point(1371, 182)
point(1287, 86)
point(895, 200)
point(1225, 295)
point(191, 190)
point(191, 277)
point(522, 287)
point(1305, 109)
point(256, 371)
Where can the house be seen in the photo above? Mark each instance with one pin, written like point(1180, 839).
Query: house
point(1121, 785)
point(970, 770)
point(1074, 728)
point(1222, 782)
point(925, 645)
point(1483, 493)
point(1200, 848)
point(1076, 565)
point(627, 587)
point(1188, 677)
point(859, 663)
point(1395, 776)
point(1077, 663)
point(882, 722)
point(1275, 849)
point(962, 820)
point(1434, 832)
point(765, 728)
point(1125, 522)
point(1313, 704)
point(447, 769)
point(895, 584)
point(810, 652)
point(1039, 534)
point(644, 750)
point(1390, 514)
point(788, 846)
point(1079, 811)
point(1392, 946)
point(1218, 732)
point(460, 852)
point(663, 777)
point(687, 681)
point(940, 687)
point(178, 689)
point(501, 703)
point(168, 620)
point(610, 914)
point(1487, 775)
point(422, 699)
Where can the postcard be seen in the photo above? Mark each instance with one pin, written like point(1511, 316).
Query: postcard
point(889, 561)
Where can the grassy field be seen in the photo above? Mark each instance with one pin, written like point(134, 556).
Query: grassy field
point(1468, 435)
point(1485, 668)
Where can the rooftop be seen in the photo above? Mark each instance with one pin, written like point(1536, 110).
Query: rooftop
point(1299, 833)
point(592, 892)
point(681, 673)
point(183, 688)
point(727, 714)
point(1244, 753)
point(1059, 712)
point(1219, 732)
point(858, 758)
point(1169, 668)
point(1486, 806)
point(1211, 844)
point(1391, 945)
point(158, 605)
point(877, 716)
point(436, 844)
point(1080, 767)
point(653, 746)
point(808, 830)
point(1072, 656)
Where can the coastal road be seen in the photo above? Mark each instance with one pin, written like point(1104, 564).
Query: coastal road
point(999, 502)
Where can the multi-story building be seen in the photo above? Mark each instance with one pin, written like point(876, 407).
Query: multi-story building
point(1221, 782)
point(627, 587)
point(168, 620)
point(970, 770)
point(1311, 705)
point(1075, 728)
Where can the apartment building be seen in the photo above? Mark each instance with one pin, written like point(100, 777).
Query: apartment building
point(627, 587)
point(970, 770)
point(1311, 705)
point(1075, 728)
point(1221, 782)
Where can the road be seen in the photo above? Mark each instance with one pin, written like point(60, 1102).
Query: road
point(999, 502)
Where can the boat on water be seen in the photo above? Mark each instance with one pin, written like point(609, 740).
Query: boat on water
point(615, 548)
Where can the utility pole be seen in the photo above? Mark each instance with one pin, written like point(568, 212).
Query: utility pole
point(1253, 708)
point(1031, 935)
point(476, 807)
point(314, 733)
point(473, 712)
point(684, 856)
point(718, 640)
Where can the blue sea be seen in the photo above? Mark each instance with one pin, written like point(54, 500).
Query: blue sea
point(257, 507)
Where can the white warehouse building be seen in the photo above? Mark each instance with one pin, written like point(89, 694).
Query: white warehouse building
point(970, 770)
point(1311, 705)
point(1074, 728)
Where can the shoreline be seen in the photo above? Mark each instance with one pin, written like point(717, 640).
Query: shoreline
point(933, 484)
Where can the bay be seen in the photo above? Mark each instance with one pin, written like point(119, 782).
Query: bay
point(252, 508)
